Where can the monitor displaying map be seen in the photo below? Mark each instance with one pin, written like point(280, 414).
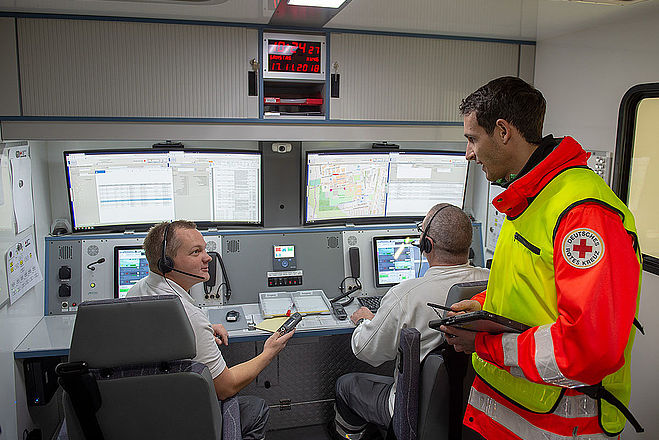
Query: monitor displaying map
point(364, 186)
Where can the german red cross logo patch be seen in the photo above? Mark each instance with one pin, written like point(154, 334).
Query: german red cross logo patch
point(583, 248)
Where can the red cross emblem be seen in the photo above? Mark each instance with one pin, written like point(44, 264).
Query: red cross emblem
point(582, 248)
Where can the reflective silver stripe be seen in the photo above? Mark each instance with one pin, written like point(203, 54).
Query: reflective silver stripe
point(517, 424)
point(517, 372)
point(509, 344)
point(545, 359)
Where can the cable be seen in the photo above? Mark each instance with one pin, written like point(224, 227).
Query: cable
point(343, 293)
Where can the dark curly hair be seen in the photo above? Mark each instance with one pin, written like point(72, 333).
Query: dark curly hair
point(511, 99)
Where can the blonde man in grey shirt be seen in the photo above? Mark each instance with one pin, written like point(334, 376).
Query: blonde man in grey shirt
point(367, 398)
point(186, 264)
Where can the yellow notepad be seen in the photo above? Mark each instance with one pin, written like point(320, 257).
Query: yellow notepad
point(271, 324)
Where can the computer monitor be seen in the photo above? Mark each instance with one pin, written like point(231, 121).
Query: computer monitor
point(370, 186)
point(130, 266)
point(136, 188)
point(397, 260)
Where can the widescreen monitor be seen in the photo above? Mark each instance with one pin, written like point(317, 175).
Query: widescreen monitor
point(367, 186)
point(135, 188)
point(130, 266)
point(397, 260)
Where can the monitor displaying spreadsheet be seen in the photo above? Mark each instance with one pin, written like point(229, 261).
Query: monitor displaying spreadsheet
point(133, 188)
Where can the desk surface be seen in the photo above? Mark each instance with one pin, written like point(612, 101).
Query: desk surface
point(52, 334)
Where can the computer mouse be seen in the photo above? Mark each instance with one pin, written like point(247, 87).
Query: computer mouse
point(232, 315)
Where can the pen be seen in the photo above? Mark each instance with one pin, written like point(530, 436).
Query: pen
point(437, 306)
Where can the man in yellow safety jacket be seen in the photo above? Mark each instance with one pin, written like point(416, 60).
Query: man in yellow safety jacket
point(567, 263)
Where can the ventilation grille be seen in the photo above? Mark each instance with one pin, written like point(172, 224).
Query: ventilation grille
point(352, 240)
point(211, 246)
point(65, 252)
point(92, 250)
point(233, 245)
point(332, 242)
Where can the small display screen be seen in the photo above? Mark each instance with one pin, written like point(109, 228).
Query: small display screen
point(397, 260)
point(285, 251)
point(130, 266)
point(294, 56)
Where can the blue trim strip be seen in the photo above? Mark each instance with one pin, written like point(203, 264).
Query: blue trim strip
point(231, 232)
point(41, 353)
point(265, 26)
point(228, 120)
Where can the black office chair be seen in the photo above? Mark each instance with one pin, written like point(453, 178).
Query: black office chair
point(441, 386)
point(130, 376)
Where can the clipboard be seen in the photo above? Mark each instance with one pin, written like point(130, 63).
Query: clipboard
point(481, 321)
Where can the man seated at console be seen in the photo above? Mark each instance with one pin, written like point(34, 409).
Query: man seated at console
point(363, 398)
point(177, 261)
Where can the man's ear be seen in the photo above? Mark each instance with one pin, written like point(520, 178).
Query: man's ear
point(504, 130)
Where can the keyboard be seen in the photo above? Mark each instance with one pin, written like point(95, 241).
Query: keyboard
point(370, 302)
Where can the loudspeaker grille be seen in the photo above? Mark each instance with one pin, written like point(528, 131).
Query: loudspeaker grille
point(233, 245)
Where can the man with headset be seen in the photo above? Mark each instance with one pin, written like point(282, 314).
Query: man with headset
point(363, 398)
point(178, 260)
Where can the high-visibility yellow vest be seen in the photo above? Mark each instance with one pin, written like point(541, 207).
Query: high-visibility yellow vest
point(521, 286)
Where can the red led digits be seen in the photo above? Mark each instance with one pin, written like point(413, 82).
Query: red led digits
point(294, 56)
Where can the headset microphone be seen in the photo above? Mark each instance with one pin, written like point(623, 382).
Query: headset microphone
point(166, 264)
point(188, 274)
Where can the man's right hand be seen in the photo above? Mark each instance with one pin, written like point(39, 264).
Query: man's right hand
point(276, 343)
point(464, 306)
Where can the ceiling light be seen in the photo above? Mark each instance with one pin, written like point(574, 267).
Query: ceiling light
point(317, 3)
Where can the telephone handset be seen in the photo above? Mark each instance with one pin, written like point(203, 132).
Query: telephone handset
point(212, 271)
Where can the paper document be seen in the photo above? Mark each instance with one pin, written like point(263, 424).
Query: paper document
point(271, 324)
point(6, 210)
point(21, 183)
point(22, 266)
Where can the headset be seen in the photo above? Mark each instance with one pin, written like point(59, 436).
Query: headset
point(165, 263)
point(425, 245)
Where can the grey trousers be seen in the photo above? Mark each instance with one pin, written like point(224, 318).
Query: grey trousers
point(253, 417)
point(363, 398)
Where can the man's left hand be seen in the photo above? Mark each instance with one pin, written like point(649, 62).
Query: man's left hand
point(461, 340)
point(221, 334)
point(361, 313)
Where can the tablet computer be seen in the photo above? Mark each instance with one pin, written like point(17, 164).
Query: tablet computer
point(481, 321)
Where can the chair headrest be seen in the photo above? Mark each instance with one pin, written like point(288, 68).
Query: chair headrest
point(461, 291)
point(128, 331)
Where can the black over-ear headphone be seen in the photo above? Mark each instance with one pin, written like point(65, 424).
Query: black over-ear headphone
point(424, 243)
point(165, 263)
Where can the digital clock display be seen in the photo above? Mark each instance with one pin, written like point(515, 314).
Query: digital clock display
point(294, 56)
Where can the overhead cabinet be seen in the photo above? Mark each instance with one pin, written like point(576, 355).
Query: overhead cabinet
point(93, 68)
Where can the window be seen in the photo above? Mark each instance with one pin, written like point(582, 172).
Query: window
point(635, 177)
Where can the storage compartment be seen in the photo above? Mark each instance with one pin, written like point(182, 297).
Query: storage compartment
point(283, 99)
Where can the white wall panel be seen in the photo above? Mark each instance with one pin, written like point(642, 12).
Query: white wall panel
point(403, 78)
point(127, 69)
point(9, 89)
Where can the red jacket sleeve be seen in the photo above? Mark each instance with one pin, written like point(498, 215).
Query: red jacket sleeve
point(596, 306)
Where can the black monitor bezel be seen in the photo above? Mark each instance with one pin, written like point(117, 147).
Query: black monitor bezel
point(368, 220)
point(376, 278)
point(115, 267)
point(145, 226)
